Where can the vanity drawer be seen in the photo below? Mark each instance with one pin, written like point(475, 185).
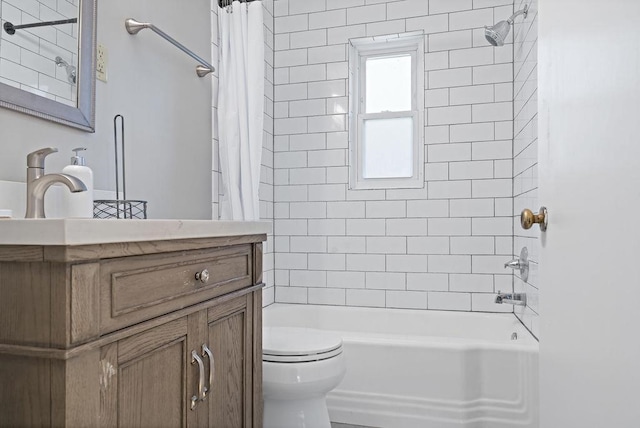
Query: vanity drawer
point(136, 289)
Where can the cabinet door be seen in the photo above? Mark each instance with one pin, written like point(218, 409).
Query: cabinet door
point(147, 380)
point(230, 340)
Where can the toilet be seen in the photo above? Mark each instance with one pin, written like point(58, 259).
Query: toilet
point(300, 367)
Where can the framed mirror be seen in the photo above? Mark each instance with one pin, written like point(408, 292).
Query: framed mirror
point(47, 59)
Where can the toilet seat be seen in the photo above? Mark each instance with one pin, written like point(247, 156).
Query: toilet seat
point(299, 345)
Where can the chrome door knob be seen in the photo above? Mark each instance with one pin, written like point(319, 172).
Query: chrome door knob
point(203, 276)
point(528, 219)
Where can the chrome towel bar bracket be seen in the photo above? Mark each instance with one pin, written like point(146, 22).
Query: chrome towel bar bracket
point(134, 27)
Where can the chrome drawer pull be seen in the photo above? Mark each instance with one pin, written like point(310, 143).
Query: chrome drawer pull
point(203, 276)
point(195, 358)
point(207, 351)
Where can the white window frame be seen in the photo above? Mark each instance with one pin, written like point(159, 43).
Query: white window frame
point(361, 49)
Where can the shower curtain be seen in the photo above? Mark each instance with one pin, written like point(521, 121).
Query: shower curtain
point(240, 108)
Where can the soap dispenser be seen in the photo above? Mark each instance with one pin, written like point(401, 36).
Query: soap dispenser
point(79, 205)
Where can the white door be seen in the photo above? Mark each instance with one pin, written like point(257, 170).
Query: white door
point(589, 88)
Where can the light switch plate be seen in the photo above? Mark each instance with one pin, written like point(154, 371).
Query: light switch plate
point(101, 63)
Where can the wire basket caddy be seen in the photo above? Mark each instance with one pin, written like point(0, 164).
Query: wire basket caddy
point(119, 208)
point(113, 208)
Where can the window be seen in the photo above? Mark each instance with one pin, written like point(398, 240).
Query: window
point(386, 108)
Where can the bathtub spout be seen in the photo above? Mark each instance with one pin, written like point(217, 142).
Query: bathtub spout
point(516, 299)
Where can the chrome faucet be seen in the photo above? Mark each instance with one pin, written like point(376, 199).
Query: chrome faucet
point(516, 299)
point(38, 182)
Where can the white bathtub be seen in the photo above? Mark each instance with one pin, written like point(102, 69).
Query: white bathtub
point(426, 369)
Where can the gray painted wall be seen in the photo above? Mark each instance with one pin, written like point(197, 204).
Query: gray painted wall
point(166, 106)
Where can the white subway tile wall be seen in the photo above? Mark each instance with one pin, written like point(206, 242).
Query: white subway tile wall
point(525, 161)
point(441, 247)
point(267, 176)
point(28, 57)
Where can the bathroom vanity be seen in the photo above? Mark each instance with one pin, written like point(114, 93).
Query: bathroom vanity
point(130, 323)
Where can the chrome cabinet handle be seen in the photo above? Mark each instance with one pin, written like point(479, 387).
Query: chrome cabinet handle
point(209, 354)
point(203, 276)
point(195, 358)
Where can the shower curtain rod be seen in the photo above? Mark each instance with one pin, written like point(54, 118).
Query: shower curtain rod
point(223, 3)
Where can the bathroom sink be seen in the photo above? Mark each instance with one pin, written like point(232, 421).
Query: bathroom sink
point(94, 231)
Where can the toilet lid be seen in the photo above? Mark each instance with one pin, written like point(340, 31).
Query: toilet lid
point(290, 344)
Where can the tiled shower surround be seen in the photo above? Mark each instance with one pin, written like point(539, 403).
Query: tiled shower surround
point(440, 247)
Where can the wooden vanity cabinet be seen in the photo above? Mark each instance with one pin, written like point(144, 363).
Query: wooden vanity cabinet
point(158, 378)
point(134, 353)
point(144, 380)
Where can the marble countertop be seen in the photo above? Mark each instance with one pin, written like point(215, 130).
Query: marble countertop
point(94, 231)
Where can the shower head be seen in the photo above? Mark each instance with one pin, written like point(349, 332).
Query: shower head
point(496, 34)
point(71, 70)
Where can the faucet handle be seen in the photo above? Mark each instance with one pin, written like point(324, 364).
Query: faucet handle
point(36, 159)
point(520, 263)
